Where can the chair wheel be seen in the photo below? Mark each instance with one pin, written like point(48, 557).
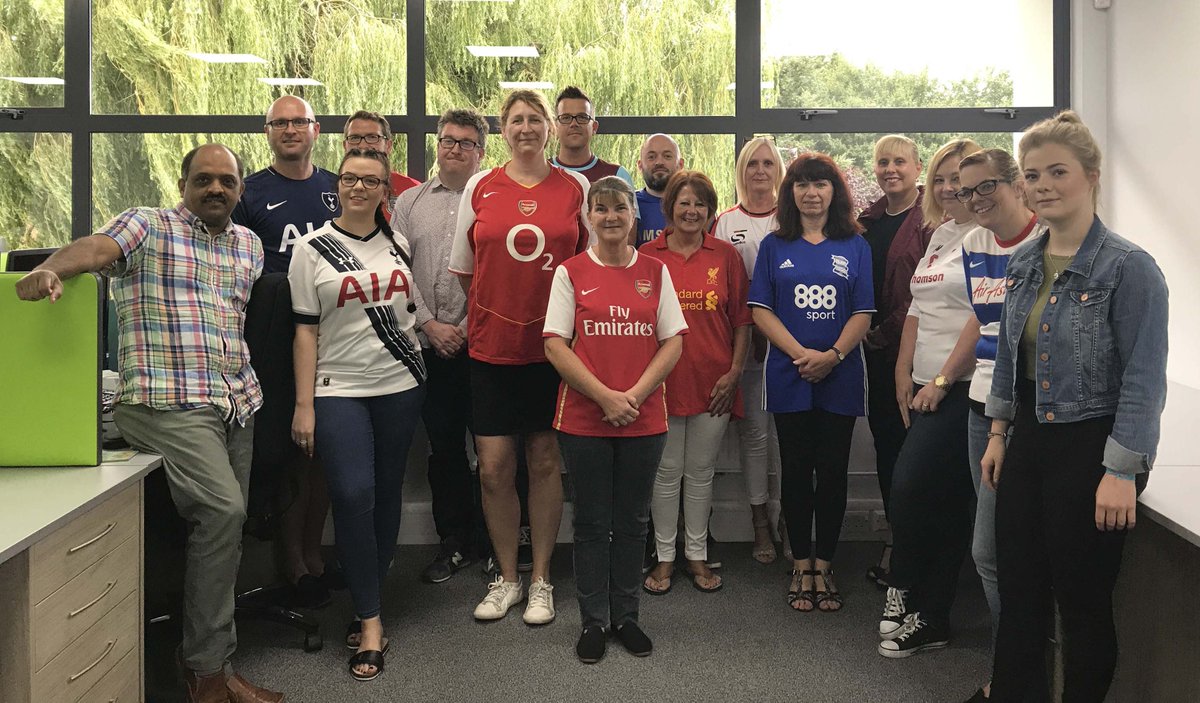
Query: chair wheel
point(313, 642)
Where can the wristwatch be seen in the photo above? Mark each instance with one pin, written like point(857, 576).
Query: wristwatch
point(942, 383)
point(838, 353)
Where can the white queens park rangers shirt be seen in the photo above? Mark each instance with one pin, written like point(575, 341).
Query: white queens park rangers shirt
point(359, 292)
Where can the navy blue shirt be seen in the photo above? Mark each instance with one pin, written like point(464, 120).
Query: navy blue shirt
point(281, 211)
point(814, 289)
point(651, 221)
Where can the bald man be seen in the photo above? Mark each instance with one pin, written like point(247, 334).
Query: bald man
point(282, 203)
point(658, 160)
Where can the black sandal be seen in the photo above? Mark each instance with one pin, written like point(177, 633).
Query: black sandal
point(370, 657)
point(354, 629)
point(878, 574)
point(830, 593)
point(808, 596)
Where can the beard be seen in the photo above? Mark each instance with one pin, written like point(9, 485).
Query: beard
point(655, 182)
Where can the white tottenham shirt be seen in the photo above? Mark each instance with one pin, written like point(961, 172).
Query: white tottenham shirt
point(939, 300)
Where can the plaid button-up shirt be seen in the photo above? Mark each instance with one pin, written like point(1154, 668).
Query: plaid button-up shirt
point(181, 296)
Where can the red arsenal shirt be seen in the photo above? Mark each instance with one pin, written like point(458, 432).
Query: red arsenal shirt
point(712, 287)
point(615, 319)
point(511, 238)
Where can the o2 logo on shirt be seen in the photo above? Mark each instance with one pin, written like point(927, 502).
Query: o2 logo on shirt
point(818, 300)
point(538, 251)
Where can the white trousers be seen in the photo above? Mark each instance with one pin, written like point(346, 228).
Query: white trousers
point(758, 444)
point(688, 460)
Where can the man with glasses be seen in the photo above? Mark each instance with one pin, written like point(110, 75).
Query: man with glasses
point(370, 130)
point(575, 124)
point(282, 203)
point(426, 216)
point(659, 159)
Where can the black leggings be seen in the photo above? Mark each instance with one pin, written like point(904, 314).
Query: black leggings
point(814, 442)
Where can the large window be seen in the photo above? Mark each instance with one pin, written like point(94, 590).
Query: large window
point(31, 53)
point(35, 190)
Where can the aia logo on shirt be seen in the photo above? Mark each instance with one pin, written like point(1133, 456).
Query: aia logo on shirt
point(351, 290)
point(643, 287)
point(527, 207)
point(712, 275)
point(330, 200)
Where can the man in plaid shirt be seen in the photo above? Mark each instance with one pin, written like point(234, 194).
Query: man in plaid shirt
point(180, 281)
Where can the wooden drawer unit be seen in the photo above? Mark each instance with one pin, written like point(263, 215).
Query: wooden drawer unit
point(71, 609)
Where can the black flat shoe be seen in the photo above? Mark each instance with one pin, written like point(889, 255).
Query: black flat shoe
point(309, 592)
point(591, 645)
point(370, 657)
point(635, 641)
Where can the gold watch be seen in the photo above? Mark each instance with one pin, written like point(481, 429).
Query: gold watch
point(942, 383)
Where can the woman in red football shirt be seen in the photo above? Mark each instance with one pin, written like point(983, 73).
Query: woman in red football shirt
point(612, 331)
point(703, 390)
point(516, 224)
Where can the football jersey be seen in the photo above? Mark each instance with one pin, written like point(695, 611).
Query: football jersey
point(511, 238)
point(711, 287)
point(745, 230)
point(814, 289)
point(615, 319)
point(359, 293)
point(596, 169)
point(984, 261)
point(399, 183)
point(651, 220)
point(939, 300)
point(281, 211)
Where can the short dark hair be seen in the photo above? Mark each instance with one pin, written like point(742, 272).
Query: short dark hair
point(187, 160)
point(571, 93)
point(814, 166)
point(464, 118)
point(701, 186)
point(373, 117)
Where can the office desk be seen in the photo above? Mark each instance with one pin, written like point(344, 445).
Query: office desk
point(71, 582)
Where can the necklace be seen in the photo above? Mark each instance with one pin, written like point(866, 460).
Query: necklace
point(1054, 266)
point(903, 209)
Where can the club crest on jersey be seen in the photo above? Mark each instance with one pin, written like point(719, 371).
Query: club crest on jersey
point(841, 266)
point(643, 287)
point(712, 275)
point(527, 207)
point(330, 200)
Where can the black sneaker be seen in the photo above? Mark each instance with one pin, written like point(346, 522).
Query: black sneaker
point(444, 565)
point(491, 567)
point(524, 551)
point(917, 635)
point(891, 623)
point(635, 641)
point(591, 645)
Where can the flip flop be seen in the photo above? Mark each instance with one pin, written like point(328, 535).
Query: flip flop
point(711, 589)
point(657, 591)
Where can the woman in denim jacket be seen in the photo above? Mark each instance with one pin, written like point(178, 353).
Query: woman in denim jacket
point(1081, 377)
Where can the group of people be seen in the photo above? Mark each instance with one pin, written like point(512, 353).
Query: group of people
point(987, 323)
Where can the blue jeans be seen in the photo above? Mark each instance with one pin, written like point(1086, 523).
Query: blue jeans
point(364, 446)
point(983, 546)
point(612, 479)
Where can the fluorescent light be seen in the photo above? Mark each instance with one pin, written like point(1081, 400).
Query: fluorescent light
point(225, 58)
point(504, 51)
point(290, 81)
point(474, 0)
point(34, 80)
point(534, 85)
point(765, 85)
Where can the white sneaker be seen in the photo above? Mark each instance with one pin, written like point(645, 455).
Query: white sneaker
point(501, 596)
point(894, 613)
point(540, 609)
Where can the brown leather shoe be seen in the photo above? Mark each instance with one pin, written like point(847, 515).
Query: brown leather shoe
point(242, 691)
point(205, 689)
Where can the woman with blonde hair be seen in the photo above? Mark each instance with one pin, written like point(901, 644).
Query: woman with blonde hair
point(757, 176)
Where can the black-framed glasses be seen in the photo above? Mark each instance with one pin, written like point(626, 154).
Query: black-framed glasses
point(349, 180)
point(448, 143)
point(581, 119)
point(984, 188)
point(371, 139)
point(297, 122)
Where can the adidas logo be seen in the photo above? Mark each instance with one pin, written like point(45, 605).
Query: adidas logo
point(787, 264)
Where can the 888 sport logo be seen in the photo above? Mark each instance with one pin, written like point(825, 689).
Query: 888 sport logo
point(818, 300)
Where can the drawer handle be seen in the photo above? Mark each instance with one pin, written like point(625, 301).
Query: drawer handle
point(89, 667)
point(99, 598)
point(93, 540)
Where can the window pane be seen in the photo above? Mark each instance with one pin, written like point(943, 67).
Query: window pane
point(711, 153)
point(915, 54)
point(632, 57)
point(35, 190)
point(131, 170)
point(31, 53)
point(156, 58)
point(855, 152)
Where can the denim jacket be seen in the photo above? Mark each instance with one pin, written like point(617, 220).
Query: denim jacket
point(1101, 346)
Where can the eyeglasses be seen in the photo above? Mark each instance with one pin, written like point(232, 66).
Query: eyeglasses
point(297, 122)
point(580, 119)
point(985, 188)
point(368, 138)
point(349, 180)
point(448, 143)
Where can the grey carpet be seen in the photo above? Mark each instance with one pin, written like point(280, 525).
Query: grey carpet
point(741, 644)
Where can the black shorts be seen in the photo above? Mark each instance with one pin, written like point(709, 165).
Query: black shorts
point(512, 400)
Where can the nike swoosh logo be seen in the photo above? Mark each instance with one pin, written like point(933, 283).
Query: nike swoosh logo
point(272, 206)
point(590, 290)
point(977, 264)
point(488, 195)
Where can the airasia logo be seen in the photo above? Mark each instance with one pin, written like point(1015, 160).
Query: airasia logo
point(527, 207)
